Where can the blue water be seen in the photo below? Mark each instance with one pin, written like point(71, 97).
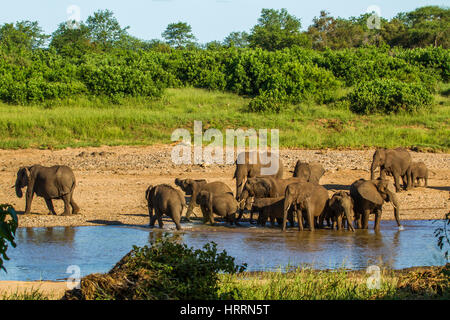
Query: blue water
point(46, 253)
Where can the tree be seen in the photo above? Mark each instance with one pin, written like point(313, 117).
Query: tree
point(105, 30)
point(277, 29)
point(179, 35)
point(237, 39)
point(72, 42)
point(23, 35)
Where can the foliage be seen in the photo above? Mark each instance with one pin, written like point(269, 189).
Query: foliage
point(387, 96)
point(7, 231)
point(178, 34)
point(165, 270)
point(443, 236)
point(105, 30)
point(277, 29)
point(26, 35)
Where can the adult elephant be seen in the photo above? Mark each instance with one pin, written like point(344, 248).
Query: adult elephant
point(395, 162)
point(165, 200)
point(341, 206)
point(194, 187)
point(249, 165)
point(369, 197)
point(309, 200)
point(262, 187)
point(57, 182)
point(309, 172)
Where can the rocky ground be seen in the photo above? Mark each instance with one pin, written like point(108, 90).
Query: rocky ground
point(111, 181)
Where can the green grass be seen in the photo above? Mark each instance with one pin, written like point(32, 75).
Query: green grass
point(308, 284)
point(82, 122)
point(31, 294)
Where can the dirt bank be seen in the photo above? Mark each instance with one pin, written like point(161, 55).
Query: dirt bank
point(111, 181)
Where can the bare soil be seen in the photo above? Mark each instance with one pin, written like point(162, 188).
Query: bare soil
point(111, 181)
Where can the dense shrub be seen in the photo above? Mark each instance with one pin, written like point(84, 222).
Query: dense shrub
point(166, 270)
point(389, 96)
point(272, 79)
point(8, 228)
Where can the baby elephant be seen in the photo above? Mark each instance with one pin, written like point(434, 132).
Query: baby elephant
point(419, 171)
point(272, 208)
point(165, 199)
point(340, 206)
point(223, 204)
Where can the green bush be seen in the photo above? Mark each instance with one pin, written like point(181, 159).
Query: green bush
point(165, 270)
point(385, 96)
point(7, 231)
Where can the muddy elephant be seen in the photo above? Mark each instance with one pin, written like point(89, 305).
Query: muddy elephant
point(223, 205)
point(164, 200)
point(395, 162)
point(249, 165)
point(419, 171)
point(340, 207)
point(309, 172)
point(309, 201)
point(194, 187)
point(57, 182)
point(273, 209)
point(369, 197)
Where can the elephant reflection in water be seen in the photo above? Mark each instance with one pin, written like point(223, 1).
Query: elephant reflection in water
point(51, 234)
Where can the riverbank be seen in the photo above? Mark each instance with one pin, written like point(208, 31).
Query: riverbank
point(111, 181)
point(302, 284)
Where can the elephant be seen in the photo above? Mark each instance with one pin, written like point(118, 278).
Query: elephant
point(57, 182)
point(262, 187)
point(396, 162)
point(193, 187)
point(309, 172)
point(248, 165)
point(272, 208)
point(369, 197)
point(224, 205)
point(164, 199)
point(419, 171)
point(309, 200)
point(340, 206)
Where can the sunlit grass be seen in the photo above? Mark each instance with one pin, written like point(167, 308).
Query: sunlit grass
point(136, 121)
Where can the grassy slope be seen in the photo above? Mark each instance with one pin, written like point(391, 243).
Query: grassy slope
point(86, 123)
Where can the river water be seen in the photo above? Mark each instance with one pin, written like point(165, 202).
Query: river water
point(46, 253)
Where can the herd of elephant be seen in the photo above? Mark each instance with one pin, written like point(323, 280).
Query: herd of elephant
point(272, 197)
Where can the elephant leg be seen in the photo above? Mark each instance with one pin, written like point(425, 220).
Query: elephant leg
point(300, 219)
point(409, 179)
point(50, 206)
point(426, 181)
point(377, 220)
point(75, 207)
point(153, 220)
point(365, 219)
point(397, 183)
point(160, 221)
point(339, 222)
point(29, 200)
point(310, 217)
point(66, 199)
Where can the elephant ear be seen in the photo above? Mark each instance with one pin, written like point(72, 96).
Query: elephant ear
point(369, 192)
point(148, 193)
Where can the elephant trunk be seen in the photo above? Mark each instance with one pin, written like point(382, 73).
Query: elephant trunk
point(372, 170)
point(348, 211)
point(19, 192)
point(394, 200)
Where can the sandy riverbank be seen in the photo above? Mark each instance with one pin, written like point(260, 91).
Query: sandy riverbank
point(111, 181)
